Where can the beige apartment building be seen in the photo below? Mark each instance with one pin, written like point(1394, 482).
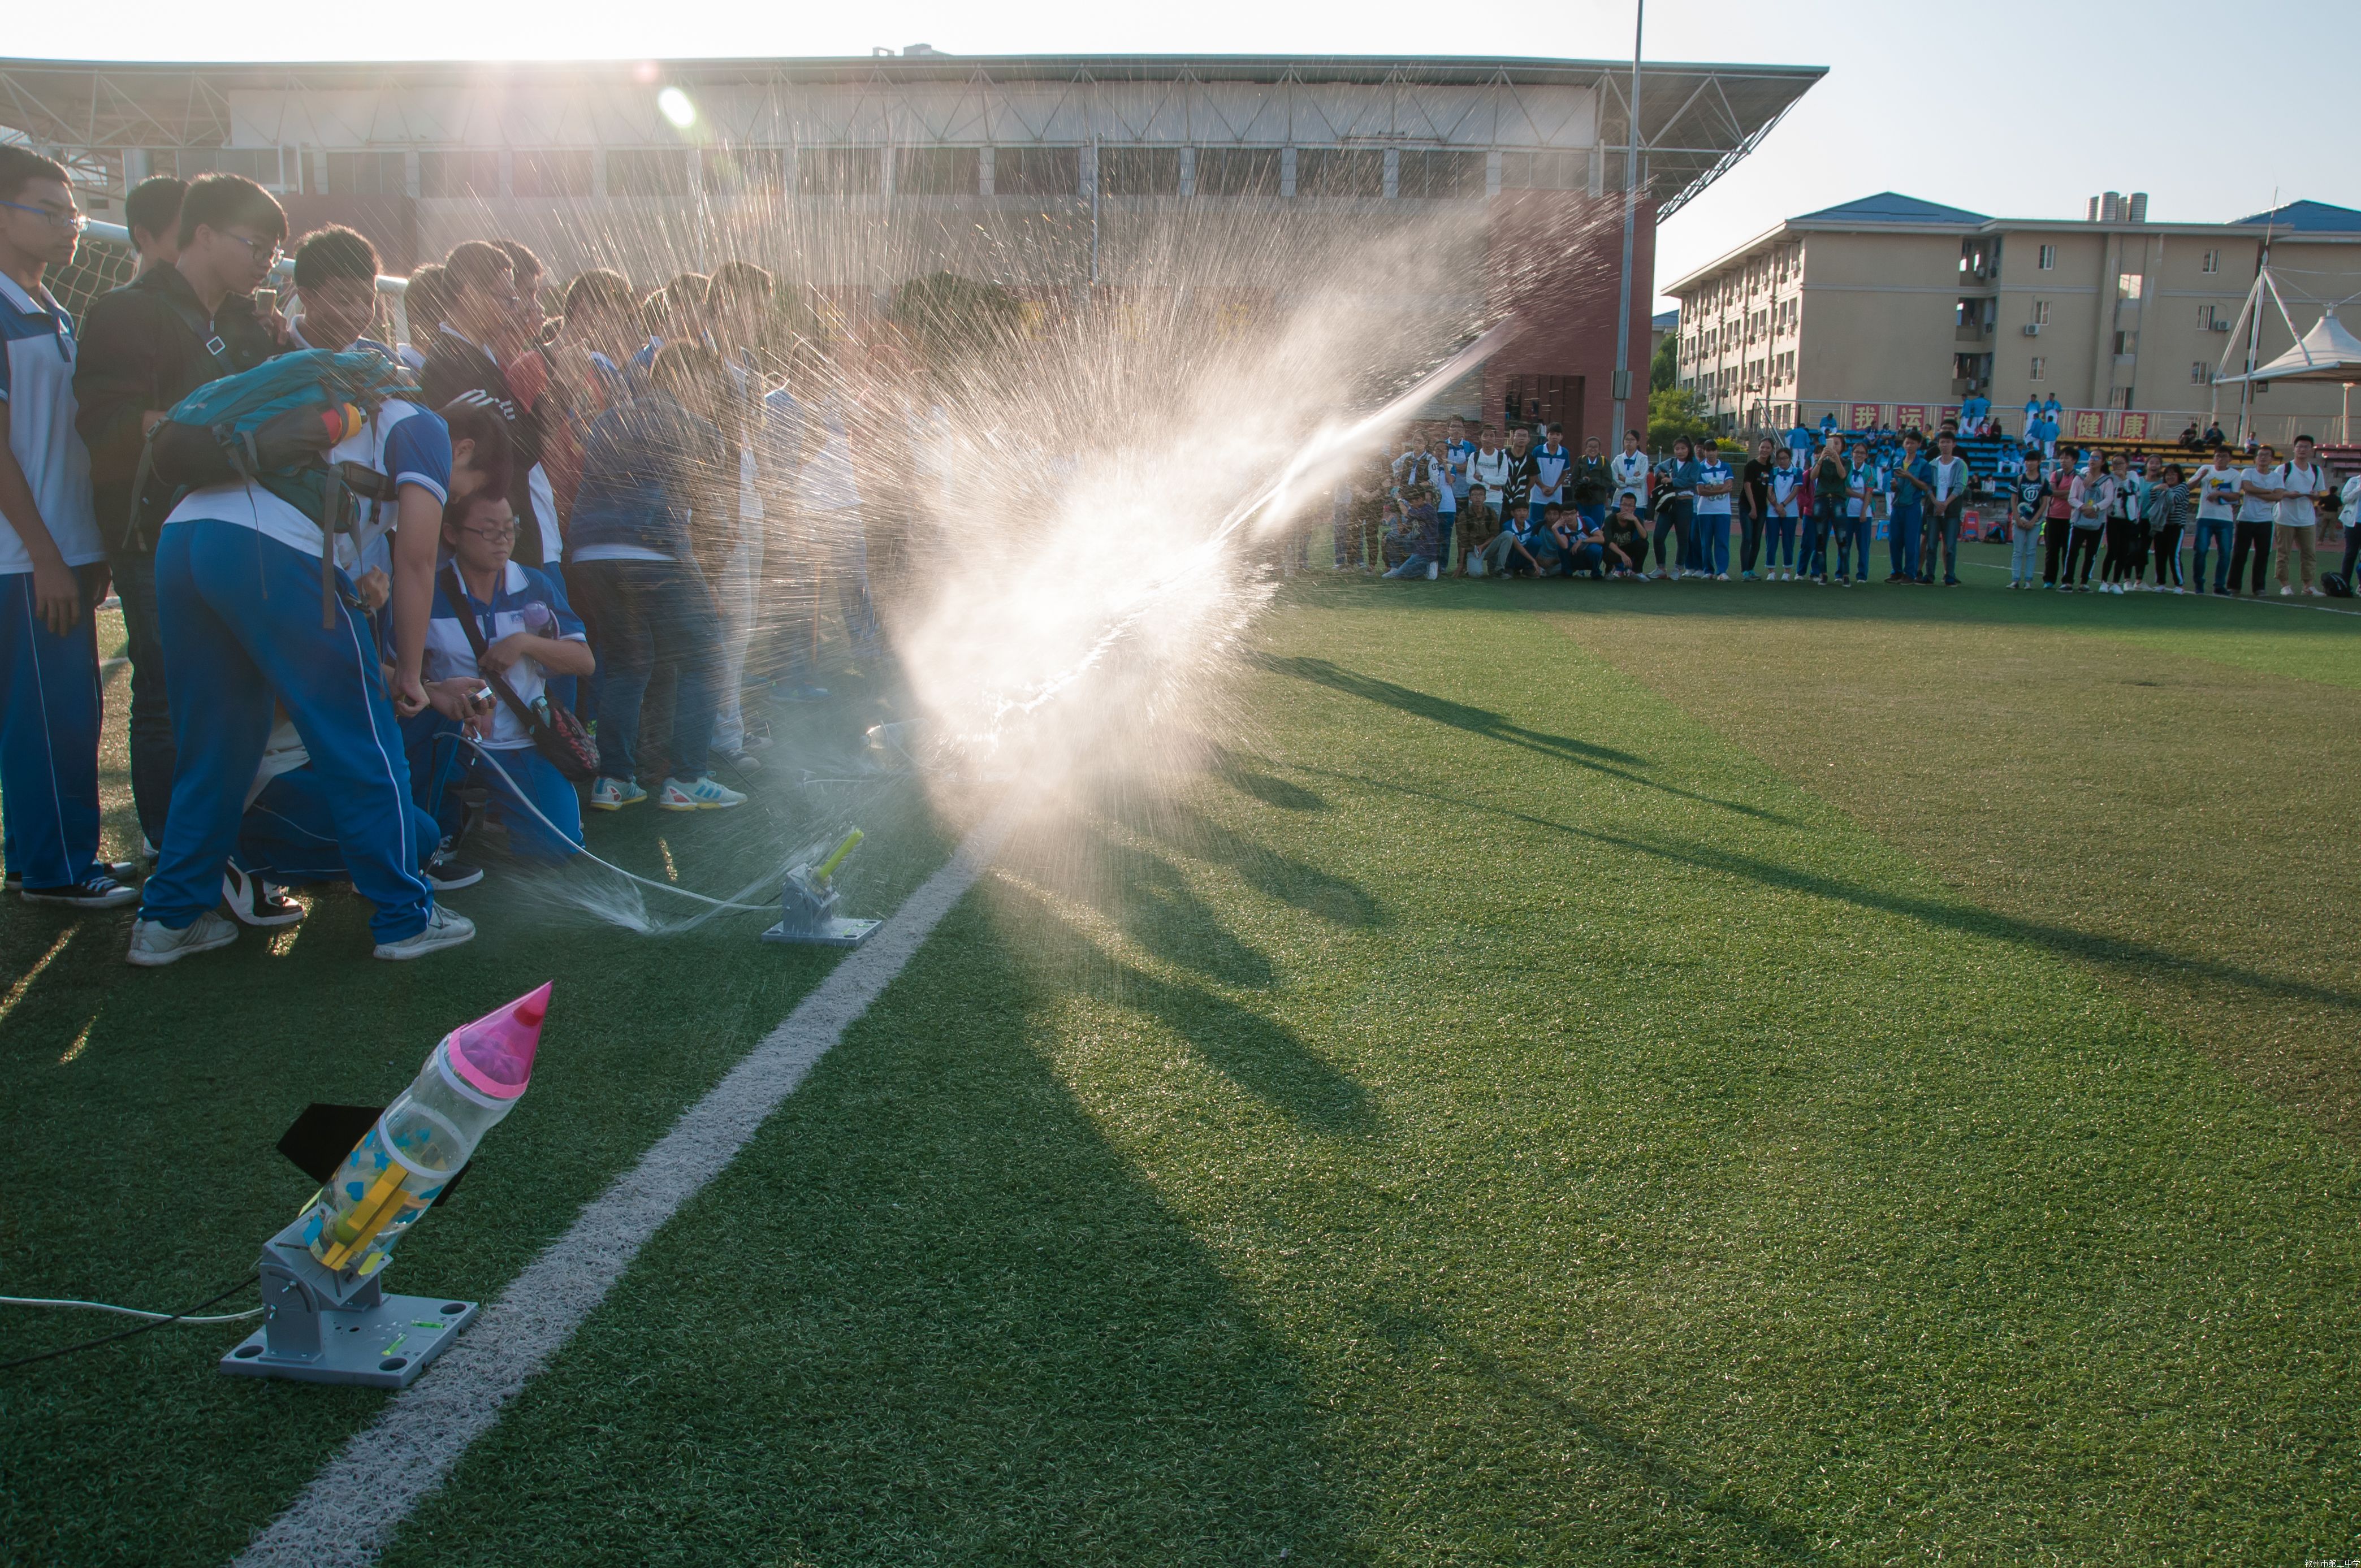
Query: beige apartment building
point(1892, 310)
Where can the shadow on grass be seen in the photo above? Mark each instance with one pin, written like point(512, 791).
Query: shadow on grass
point(1415, 1333)
point(1491, 726)
point(970, 1333)
point(1968, 918)
point(1190, 832)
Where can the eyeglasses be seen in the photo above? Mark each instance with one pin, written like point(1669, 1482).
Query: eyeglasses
point(70, 218)
point(499, 534)
point(254, 248)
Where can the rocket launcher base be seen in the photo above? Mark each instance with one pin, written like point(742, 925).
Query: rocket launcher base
point(320, 1326)
point(808, 915)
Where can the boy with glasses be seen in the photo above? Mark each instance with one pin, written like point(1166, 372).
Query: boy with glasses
point(144, 347)
point(482, 321)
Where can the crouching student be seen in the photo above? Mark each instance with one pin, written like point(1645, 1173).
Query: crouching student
point(1419, 532)
point(238, 574)
point(527, 632)
point(1582, 543)
point(1626, 551)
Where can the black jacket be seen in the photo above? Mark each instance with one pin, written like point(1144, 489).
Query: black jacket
point(456, 368)
point(139, 352)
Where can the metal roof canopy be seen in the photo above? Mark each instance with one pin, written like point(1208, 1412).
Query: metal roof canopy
point(1697, 120)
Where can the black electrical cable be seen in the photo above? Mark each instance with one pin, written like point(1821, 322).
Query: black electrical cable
point(129, 1333)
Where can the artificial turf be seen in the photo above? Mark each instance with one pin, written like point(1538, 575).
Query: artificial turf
point(1588, 1075)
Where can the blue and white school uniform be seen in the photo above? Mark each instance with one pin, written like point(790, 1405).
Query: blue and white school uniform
point(48, 685)
point(518, 775)
point(238, 589)
point(288, 836)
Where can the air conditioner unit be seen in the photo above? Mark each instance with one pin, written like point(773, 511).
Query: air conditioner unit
point(2032, 329)
point(2217, 326)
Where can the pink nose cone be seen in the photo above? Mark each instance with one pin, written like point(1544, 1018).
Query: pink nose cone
point(494, 1054)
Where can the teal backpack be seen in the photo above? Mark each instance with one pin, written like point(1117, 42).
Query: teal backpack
point(249, 416)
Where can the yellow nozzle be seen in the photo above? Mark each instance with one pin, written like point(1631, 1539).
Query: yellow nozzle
point(826, 867)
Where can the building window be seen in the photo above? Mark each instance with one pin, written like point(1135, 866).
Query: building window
point(1237, 171)
point(2041, 313)
point(1139, 171)
point(2200, 373)
point(936, 172)
point(824, 170)
point(648, 172)
point(1340, 172)
point(1438, 176)
point(1545, 171)
point(2211, 262)
point(1038, 171)
point(2048, 257)
point(2126, 342)
point(463, 175)
point(259, 164)
point(737, 169)
point(367, 174)
point(551, 173)
point(2128, 285)
point(2039, 370)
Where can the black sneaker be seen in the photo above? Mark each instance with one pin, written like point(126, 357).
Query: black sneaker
point(255, 902)
point(121, 871)
point(447, 873)
point(99, 891)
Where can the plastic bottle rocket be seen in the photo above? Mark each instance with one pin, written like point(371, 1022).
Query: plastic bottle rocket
point(472, 1078)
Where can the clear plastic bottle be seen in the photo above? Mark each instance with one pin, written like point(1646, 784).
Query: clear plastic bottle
point(472, 1078)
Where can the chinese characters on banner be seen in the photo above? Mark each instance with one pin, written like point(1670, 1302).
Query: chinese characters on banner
point(2132, 427)
point(1947, 411)
point(1910, 416)
point(2088, 424)
point(1862, 416)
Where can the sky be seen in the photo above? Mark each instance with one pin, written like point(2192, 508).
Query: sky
point(2014, 109)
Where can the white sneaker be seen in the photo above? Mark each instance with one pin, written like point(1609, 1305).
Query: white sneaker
point(1432, 571)
point(443, 929)
point(2285, 591)
point(704, 794)
point(257, 902)
point(2314, 593)
point(1721, 577)
point(154, 945)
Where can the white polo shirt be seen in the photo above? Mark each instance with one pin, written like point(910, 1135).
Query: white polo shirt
point(37, 383)
point(2296, 511)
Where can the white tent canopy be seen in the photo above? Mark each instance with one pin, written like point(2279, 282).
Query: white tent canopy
point(2329, 352)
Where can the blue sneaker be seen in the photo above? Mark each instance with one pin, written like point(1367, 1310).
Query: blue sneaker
point(613, 795)
point(701, 794)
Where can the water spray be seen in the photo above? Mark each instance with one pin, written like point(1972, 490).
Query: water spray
point(808, 914)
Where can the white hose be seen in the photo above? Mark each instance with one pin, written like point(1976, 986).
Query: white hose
point(518, 791)
point(126, 1311)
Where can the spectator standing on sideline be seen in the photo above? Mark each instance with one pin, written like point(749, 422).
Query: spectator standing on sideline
point(2058, 520)
point(1627, 474)
point(1675, 503)
point(2216, 486)
point(1716, 485)
point(1854, 533)
point(2169, 512)
point(1753, 506)
point(1518, 510)
point(2259, 511)
point(1800, 445)
point(144, 347)
point(1914, 485)
point(336, 278)
point(1488, 479)
point(2348, 517)
point(1946, 502)
point(2301, 482)
point(1830, 483)
point(52, 571)
point(1551, 461)
point(1592, 485)
point(2092, 497)
point(1439, 479)
point(480, 314)
point(1787, 491)
point(2028, 504)
point(151, 210)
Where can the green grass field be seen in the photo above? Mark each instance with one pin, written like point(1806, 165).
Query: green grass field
point(1592, 1074)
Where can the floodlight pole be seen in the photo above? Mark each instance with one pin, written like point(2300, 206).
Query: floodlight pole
point(1622, 384)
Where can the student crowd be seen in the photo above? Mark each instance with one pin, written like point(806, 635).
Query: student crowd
point(372, 592)
point(1809, 507)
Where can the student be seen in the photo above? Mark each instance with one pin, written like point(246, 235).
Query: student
point(2216, 486)
point(1800, 445)
point(151, 210)
point(1592, 485)
point(2300, 484)
point(51, 563)
point(422, 304)
point(1755, 506)
point(1415, 531)
point(1628, 472)
point(529, 633)
point(238, 583)
point(1786, 507)
point(2121, 571)
point(335, 281)
point(2057, 523)
point(1676, 508)
point(1458, 452)
point(1582, 544)
point(144, 347)
point(1947, 501)
point(1912, 478)
point(1832, 482)
point(1715, 485)
point(649, 467)
point(481, 312)
point(1518, 510)
point(2169, 510)
point(1626, 546)
point(1446, 507)
point(2028, 504)
point(1549, 464)
point(2259, 511)
point(1488, 473)
point(2090, 498)
point(1852, 532)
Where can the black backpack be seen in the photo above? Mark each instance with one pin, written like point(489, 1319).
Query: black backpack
point(2335, 585)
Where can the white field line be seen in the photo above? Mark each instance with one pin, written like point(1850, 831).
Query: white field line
point(2274, 601)
point(352, 1505)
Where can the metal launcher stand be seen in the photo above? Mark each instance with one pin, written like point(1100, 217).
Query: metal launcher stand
point(808, 915)
point(320, 1326)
